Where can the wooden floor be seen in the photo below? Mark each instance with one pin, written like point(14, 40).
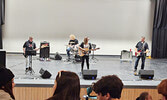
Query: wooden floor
point(42, 93)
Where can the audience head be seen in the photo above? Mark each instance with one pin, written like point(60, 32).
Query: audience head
point(72, 37)
point(108, 87)
point(7, 81)
point(162, 89)
point(66, 87)
point(144, 96)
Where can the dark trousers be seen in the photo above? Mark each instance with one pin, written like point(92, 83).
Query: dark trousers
point(83, 60)
point(137, 61)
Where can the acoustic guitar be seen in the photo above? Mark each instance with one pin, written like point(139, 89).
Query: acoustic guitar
point(84, 51)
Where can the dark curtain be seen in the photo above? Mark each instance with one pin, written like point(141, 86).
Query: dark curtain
point(2, 19)
point(159, 38)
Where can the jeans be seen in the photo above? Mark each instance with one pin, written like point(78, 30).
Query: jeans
point(68, 52)
point(83, 60)
point(137, 61)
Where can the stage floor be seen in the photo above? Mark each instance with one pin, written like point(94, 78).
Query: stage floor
point(107, 65)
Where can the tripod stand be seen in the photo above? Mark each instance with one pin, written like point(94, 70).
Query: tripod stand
point(29, 55)
point(93, 56)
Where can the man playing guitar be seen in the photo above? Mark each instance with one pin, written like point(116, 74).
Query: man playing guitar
point(140, 52)
point(72, 45)
point(28, 46)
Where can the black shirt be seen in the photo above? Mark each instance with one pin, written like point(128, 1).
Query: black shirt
point(29, 45)
point(142, 47)
point(90, 46)
point(73, 42)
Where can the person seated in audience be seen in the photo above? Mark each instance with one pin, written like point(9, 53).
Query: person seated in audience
point(66, 86)
point(162, 89)
point(108, 88)
point(6, 84)
point(144, 96)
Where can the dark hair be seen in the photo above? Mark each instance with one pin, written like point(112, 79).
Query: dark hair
point(109, 84)
point(68, 86)
point(8, 88)
point(143, 96)
point(162, 88)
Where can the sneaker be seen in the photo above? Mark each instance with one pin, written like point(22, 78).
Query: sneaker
point(47, 59)
point(41, 59)
point(135, 72)
point(26, 70)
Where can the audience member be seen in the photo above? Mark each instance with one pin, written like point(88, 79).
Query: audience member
point(66, 86)
point(108, 88)
point(162, 89)
point(144, 96)
point(6, 84)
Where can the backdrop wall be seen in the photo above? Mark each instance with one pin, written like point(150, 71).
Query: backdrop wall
point(113, 25)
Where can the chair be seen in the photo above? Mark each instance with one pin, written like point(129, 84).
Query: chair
point(88, 96)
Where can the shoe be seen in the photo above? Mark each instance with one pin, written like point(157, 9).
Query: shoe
point(30, 69)
point(26, 70)
point(135, 72)
point(41, 59)
point(47, 59)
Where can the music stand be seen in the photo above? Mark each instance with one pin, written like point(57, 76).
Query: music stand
point(93, 56)
point(30, 53)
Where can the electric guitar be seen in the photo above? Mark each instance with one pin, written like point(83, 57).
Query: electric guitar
point(84, 51)
point(140, 53)
point(42, 46)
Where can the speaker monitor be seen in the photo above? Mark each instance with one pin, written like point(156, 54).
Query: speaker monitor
point(2, 58)
point(146, 74)
point(45, 74)
point(45, 52)
point(89, 74)
point(57, 56)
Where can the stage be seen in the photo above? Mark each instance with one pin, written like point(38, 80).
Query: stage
point(106, 65)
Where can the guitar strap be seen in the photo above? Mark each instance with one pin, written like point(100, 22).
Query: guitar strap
point(143, 48)
point(33, 45)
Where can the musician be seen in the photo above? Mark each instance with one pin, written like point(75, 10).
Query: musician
point(141, 49)
point(85, 45)
point(29, 45)
point(73, 42)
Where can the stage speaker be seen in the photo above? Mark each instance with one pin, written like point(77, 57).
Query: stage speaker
point(45, 52)
point(126, 54)
point(57, 56)
point(45, 74)
point(146, 74)
point(2, 58)
point(89, 74)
